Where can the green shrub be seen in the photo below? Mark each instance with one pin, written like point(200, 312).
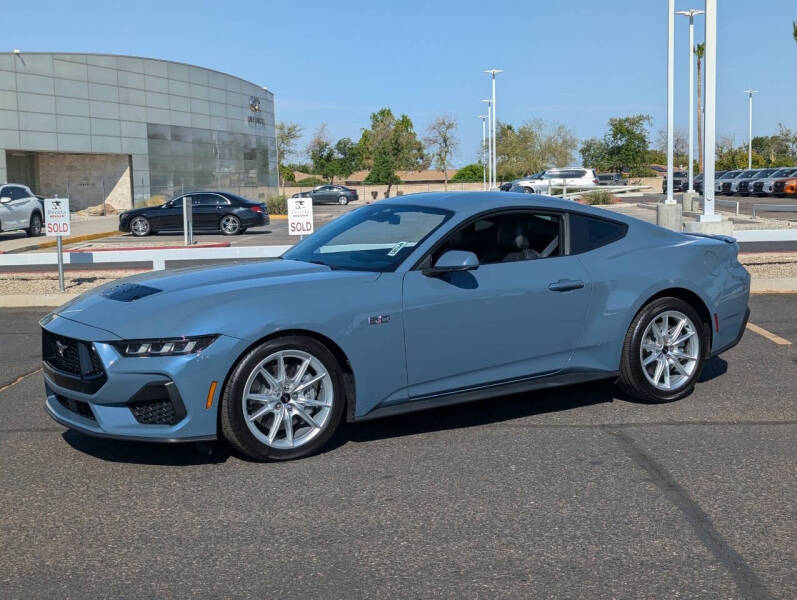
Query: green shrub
point(468, 173)
point(307, 181)
point(598, 197)
point(277, 205)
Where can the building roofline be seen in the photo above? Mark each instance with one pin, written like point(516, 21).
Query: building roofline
point(175, 62)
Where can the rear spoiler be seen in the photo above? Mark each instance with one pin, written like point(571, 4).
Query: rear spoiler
point(723, 238)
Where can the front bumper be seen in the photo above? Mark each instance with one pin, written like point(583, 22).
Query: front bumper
point(156, 399)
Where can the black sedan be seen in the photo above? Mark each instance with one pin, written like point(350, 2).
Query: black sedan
point(211, 211)
point(329, 193)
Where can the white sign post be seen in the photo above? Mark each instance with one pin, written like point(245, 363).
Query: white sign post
point(300, 216)
point(56, 223)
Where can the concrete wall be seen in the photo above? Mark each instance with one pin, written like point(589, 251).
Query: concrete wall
point(91, 179)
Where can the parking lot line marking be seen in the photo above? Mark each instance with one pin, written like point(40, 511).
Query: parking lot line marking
point(769, 335)
point(19, 380)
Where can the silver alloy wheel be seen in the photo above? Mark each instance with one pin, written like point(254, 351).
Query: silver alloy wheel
point(230, 224)
point(139, 226)
point(343, 200)
point(288, 399)
point(669, 350)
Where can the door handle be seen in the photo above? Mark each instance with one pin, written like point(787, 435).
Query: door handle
point(565, 285)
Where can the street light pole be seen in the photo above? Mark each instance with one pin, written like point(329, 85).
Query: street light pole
point(710, 113)
point(691, 14)
point(489, 141)
point(750, 127)
point(493, 73)
point(484, 158)
point(670, 95)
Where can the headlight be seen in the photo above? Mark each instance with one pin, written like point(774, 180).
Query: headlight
point(164, 347)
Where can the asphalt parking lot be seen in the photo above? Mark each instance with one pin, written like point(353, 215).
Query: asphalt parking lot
point(570, 493)
point(746, 205)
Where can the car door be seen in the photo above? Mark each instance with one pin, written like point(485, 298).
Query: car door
point(207, 210)
point(16, 213)
point(168, 217)
point(519, 314)
point(322, 194)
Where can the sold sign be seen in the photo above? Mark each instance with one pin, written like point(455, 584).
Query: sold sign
point(300, 216)
point(56, 216)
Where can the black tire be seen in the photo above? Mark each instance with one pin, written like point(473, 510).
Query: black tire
point(233, 426)
point(343, 200)
point(230, 225)
point(35, 228)
point(140, 226)
point(632, 379)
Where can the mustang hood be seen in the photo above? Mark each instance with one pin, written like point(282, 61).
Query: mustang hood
point(204, 300)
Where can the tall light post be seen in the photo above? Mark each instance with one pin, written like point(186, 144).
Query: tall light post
point(484, 150)
point(691, 14)
point(750, 127)
point(710, 113)
point(489, 103)
point(670, 95)
point(493, 73)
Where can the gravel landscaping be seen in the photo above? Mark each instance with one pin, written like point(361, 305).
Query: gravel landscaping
point(771, 265)
point(47, 283)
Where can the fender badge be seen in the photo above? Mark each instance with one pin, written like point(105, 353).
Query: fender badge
point(379, 319)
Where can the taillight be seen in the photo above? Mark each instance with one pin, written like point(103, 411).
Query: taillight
point(596, 182)
point(256, 208)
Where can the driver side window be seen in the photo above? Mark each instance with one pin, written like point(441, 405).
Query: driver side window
point(508, 237)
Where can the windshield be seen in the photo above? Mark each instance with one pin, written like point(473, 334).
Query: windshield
point(377, 237)
point(730, 175)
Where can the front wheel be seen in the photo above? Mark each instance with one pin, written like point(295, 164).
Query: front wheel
point(283, 400)
point(230, 225)
point(663, 352)
point(343, 200)
point(140, 226)
point(35, 228)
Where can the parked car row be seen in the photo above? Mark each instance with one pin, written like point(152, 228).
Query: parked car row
point(21, 209)
point(758, 182)
point(211, 211)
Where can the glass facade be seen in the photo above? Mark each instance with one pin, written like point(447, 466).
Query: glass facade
point(184, 158)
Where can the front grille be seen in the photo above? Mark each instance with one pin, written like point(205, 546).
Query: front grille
point(744, 186)
point(779, 186)
point(76, 406)
point(758, 186)
point(61, 352)
point(155, 412)
point(726, 187)
point(72, 364)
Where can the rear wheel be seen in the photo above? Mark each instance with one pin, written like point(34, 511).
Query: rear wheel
point(283, 400)
point(140, 226)
point(35, 228)
point(230, 225)
point(663, 352)
point(343, 200)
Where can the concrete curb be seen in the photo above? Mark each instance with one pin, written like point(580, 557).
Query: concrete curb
point(70, 240)
point(785, 285)
point(34, 300)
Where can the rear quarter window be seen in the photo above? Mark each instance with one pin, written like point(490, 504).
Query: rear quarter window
point(588, 233)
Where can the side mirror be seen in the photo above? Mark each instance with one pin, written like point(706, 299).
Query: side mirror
point(452, 261)
point(5, 199)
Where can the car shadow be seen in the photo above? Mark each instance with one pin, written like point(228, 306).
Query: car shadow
point(490, 411)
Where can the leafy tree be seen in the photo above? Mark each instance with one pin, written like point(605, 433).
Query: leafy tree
point(441, 141)
point(321, 153)
point(794, 33)
point(286, 174)
point(469, 173)
point(680, 146)
point(347, 158)
point(730, 156)
point(595, 154)
point(777, 150)
point(288, 135)
point(700, 50)
point(627, 141)
point(390, 145)
point(532, 147)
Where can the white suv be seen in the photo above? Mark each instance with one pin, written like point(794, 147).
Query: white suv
point(20, 209)
point(576, 177)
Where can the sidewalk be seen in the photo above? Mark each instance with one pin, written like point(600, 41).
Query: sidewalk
point(82, 226)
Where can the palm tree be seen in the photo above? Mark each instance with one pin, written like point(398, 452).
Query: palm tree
point(699, 51)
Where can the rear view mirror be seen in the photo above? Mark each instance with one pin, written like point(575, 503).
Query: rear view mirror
point(452, 261)
point(5, 199)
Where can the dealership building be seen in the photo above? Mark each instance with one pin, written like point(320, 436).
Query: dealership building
point(125, 131)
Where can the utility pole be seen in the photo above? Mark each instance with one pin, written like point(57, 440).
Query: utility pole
point(691, 14)
point(750, 127)
point(484, 150)
point(493, 73)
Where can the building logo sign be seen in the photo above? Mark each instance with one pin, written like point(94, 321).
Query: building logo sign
point(254, 106)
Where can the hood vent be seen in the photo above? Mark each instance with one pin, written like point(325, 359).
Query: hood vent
point(127, 292)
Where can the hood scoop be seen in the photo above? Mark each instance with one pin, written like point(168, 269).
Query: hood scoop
point(127, 292)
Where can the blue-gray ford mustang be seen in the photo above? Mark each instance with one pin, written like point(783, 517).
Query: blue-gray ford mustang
point(400, 305)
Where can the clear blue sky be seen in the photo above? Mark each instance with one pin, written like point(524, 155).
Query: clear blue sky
point(577, 62)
